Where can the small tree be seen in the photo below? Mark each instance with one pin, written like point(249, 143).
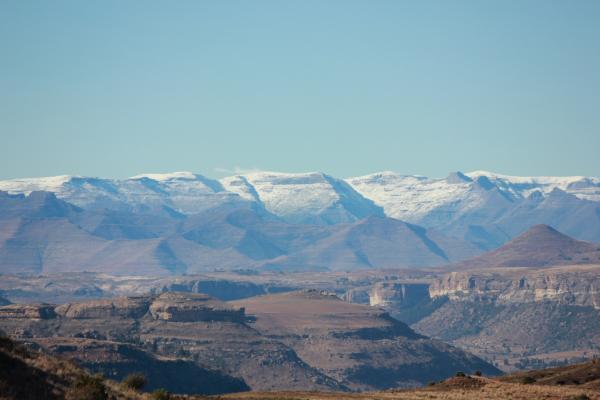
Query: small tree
point(460, 374)
point(581, 397)
point(528, 380)
point(135, 381)
point(88, 388)
point(160, 394)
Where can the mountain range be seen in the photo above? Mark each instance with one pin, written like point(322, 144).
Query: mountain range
point(186, 223)
point(483, 207)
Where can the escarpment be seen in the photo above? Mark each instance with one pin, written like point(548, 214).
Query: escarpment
point(190, 307)
point(577, 286)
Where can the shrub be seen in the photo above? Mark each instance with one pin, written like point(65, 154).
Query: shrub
point(88, 387)
point(135, 381)
point(431, 383)
point(460, 374)
point(160, 394)
point(528, 380)
point(477, 373)
point(581, 397)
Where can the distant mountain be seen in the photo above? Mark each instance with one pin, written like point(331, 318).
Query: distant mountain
point(376, 242)
point(482, 208)
point(304, 198)
point(311, 198)
point(540, 246)
point(487, 209)
point(40, 233)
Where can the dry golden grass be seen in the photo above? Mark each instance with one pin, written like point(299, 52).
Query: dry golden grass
point(490, 389)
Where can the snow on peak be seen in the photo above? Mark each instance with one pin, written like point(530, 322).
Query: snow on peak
point(557, 180)
point(302, 197)
point(28, 185)
point(184, 175)
point(523, 186)
point(409, 197)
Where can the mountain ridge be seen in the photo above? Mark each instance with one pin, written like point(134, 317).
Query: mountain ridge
point(483, 208)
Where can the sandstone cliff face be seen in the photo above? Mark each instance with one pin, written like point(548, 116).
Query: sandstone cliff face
point(169, 306)
point(124, 307)
point(398, 295)
point(577, 286)
point(27, 311)
point(191, 307)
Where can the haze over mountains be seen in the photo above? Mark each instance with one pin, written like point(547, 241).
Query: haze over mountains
point(186, 223)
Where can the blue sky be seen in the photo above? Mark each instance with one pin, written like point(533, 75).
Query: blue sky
point(116, 88)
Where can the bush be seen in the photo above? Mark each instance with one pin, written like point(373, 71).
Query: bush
point(431, 383)
point(528, 380)
point(581, 397)
point(88, 388)
point(477, 373)
point(160, 394)
point(460, 374)
point(135, 381)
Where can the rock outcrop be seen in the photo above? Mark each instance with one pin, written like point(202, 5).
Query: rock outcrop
point(398, 295)
point(124, 307)
point(193, 307)
point(577, 286)
point(27, 311)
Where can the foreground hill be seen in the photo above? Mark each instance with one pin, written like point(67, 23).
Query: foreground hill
point(540, 246)
point(585, 375)
point(192, 343)
point(29, 375)
point(33, 375)
point(575, 382)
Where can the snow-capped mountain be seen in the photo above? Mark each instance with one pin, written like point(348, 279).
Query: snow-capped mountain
point(484, 208)
point(580, 186)
point(411, 198)
point(304, 198)
point(185, 222)
point(298, 198)
point(183, 192)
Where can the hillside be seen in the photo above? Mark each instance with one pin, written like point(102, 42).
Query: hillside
point(585, 375)
point(34, 375)
point(540, 246)
point(359, 346)
point(296, 341)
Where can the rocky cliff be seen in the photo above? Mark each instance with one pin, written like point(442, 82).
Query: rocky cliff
point(577, 286)
point(397, 295)
point(193, 307)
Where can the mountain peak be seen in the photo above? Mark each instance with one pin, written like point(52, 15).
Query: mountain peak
point(458, 177)
point(542, 229)
point(539, 246)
